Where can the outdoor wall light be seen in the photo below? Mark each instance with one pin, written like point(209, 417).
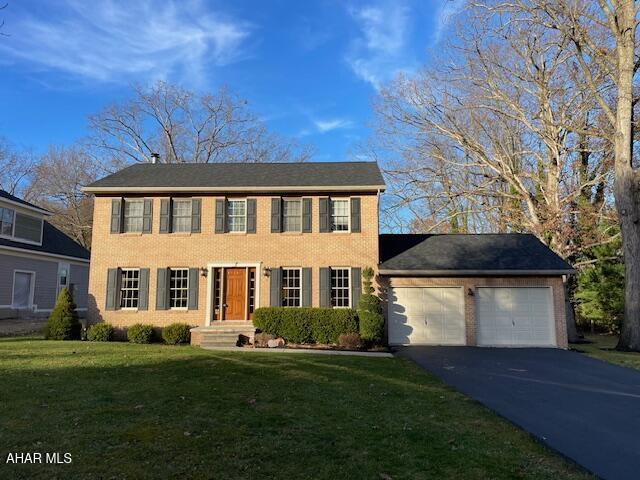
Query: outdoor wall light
point(266, 271)
point(470, 292)
point(204, 271)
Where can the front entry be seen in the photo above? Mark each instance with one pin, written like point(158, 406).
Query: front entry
point(235, 297)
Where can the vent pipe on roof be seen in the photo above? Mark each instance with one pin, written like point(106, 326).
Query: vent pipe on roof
point(155, 158)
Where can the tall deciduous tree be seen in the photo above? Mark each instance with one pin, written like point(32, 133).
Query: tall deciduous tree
point(16, 165)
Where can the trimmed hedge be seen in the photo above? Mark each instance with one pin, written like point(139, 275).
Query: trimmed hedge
point(176, 333)
point(100, 332)
point(63, 323)
point(140, 333)
point(306, 324)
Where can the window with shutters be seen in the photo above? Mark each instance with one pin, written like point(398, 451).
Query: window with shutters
point(339, 215)
point(178, 287)
point(129, 287)
point(340, 287)
point(181, 215)
point(133, 215)
point(6, 221)
point(292, 215)
point(291, 287)
point(237, 216)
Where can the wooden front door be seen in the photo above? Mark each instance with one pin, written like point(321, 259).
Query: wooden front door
point(235, 295)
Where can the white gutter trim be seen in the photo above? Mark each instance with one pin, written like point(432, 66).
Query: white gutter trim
point(43, 254)
point(469, 273)
point(26, 207)
point(270, 189)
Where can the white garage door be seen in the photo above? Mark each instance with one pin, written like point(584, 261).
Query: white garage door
point(515, 317)
point(426, 316)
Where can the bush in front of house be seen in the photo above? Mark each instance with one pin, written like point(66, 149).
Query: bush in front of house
point(63, 323)
point(370, 310)
point(176, 333)
point(100, 332)
point(140, 333)
point(306, 324)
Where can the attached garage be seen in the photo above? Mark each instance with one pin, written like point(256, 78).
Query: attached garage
point(494, 290)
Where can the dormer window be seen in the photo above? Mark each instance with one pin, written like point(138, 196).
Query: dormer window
point(6, 221)
point(19, 226)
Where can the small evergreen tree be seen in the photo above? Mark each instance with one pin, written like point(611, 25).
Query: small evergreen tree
point(63, 323)
point(370, 310)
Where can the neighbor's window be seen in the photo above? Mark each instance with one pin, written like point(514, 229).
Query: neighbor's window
point(133, 213)
point(237, 215)
point(292, 215)
point(129, 288)
point(181, 216)
point(6, 221)
point(339, 215)
point(178, 287)
point(291, 287)
point(340, 296)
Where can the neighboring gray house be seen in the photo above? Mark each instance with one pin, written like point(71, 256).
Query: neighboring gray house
point(36, 261)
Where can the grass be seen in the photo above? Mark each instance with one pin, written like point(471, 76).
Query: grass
point(154, 411)
point(603, 348)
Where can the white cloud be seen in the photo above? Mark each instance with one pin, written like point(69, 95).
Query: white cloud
point(448, 10)
point(324, 126)
point(114, 40)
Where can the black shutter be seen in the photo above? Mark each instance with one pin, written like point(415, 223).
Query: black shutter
point(306, 215)
point(276, 215)
point(306, 287)
point(325, 287)
point(112, 289)
point(276, 287)
point(324, 215)
point(221, 204)
point(356, 286)
point(162, 289)
point(143, 289)
point(355, 215)
point(194, 276)
point(196, 205)
point(147, 215)
point(116, 215)
point(251, 215)
point(165, 215)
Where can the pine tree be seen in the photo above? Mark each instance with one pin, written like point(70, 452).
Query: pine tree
point(370, 310)
point(63, 322)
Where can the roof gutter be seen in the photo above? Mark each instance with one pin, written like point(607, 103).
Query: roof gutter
point(471, 273)
point(275, 188)
point(26, 207)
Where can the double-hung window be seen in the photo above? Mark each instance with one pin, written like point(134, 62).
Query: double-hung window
point(340, 287)
point(129, 288)
point(178, 287)
point(133, 215)
point(181, 215)
point(237, 215)
point(6, 221)
point(339, 215)
point(291, 287)
point(292, 215)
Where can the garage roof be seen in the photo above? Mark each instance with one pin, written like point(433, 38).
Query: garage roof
point(468, 254)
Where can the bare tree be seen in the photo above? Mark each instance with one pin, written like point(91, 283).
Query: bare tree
point(15, 167)
point(186, 127)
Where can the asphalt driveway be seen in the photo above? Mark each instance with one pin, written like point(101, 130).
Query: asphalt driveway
point(586, 409)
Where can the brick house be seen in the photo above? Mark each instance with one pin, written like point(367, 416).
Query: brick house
point(207, 244)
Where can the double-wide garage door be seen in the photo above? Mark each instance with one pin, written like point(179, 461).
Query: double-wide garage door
point(505, 316)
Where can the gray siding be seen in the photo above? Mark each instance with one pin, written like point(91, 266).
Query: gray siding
point(80, 280)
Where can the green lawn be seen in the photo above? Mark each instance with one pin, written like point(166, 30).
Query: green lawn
point(603, 347)
point(153, 411)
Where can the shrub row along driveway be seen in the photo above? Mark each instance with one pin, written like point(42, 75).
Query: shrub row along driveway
point(587, 409)
point(157, 411)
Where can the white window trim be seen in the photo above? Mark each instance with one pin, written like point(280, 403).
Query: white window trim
point(295, 199)
point(32, 288)
point(13, 237)
point(124, 218)
point(171, 203)
point(299, 269)
point(187, 306)
point(129, 309)
point(61, 266)
point(238, 232)
point(348, 269)
point(209, 321)
point(348, 230)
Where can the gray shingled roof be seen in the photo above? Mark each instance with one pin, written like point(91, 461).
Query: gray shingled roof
point(53, 241)
point(6, 195)
point(241, 175)
point(458, 254)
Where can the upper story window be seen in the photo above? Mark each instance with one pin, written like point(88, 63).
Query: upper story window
point(129, 288)
point(340, 287)
point(292, 215)
point(6, 221)
point(133, 215)
point(291, 287)
point(181, 215)
point(237, 216)
point(339, 215)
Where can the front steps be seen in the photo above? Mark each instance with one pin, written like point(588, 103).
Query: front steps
point(223, 334)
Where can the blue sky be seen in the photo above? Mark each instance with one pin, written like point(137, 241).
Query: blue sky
point(309, 68)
